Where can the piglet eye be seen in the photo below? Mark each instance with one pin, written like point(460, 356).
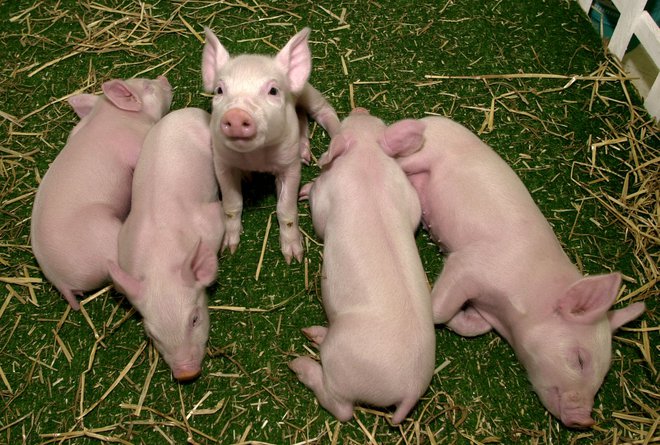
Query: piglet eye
point(580, 361)
point(273, 91)
point(195, 320)
point(219, 90)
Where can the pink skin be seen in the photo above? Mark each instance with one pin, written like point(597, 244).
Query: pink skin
point(168, 245)
point(86, 193)
point(259, 123)
point(379, 346)
point(506, 270)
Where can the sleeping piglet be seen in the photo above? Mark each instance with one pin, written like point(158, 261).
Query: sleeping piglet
point(379, 346)
point(255, 127)
point(168, 245)
point(506, 270)
point(86, 192)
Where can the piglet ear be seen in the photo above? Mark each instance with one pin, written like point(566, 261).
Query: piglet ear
point(588, 300)
point(338, 145)
point(214, 58)
point(122, 95)
point(82, 104)
point(295, 59)
point(201, 266)
point(124, 282)
point(403, 138)
point(620, 317)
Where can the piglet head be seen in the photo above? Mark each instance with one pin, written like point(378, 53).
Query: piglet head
point(359, 125)
point(567, 355)
point(175, 312)
point(253, 95)
point(151, 98)
point(402, 138)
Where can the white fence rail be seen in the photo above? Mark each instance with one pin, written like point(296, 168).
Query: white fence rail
point(634, 20)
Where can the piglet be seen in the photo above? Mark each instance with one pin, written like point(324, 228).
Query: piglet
point(379, 346)
point(168, 245)
point(86, 193)
point(506, 270)
point(255, 127)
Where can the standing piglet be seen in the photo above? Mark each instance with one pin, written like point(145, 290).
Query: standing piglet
point(379, 346)
point(506, 270)
point(168, 245)
point(255, 127)
point(86, 193)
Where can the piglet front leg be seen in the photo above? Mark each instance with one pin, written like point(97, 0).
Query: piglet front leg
point(312, 101)
point(451, 296)
point(287, 212)
point(229, 179)
point(305, 152)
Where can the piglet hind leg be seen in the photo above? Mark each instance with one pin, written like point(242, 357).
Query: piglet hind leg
point(310, 373)
point(450, 298)
point(71, 296)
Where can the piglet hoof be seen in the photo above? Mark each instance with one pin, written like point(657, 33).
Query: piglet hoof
point(70, 297)
point(315, 334)
point(307, 370)
point(230, 243)
point(305, 153)
point(469, 323)
point(231, 237)
point(303, 194)
point(291, 244)
point(294, 251)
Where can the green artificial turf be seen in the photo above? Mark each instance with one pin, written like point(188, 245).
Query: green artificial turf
point(60, 383)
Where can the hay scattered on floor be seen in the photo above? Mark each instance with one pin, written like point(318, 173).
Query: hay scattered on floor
point(31, 133)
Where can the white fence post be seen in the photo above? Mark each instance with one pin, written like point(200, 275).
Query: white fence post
point(585, 5)
point(634, 20)
point(630, 11)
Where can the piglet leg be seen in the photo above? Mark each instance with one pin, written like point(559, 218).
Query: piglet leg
point(305, 153)
point(452, 290)
point(310, 373)
point(229, 179)
point(468, 322)
point(312, 101)
point(315, 334)
point(287, 184)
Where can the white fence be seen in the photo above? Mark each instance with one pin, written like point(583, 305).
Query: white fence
point(635, 20)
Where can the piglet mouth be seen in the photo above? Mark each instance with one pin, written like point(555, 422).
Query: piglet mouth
point(577, 419)
point(573, 411)
point(186, 373)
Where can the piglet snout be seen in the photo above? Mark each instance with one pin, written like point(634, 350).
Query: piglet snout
point(236, 123)
point(185, 374)
point(360, 110)
point(575, 412)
